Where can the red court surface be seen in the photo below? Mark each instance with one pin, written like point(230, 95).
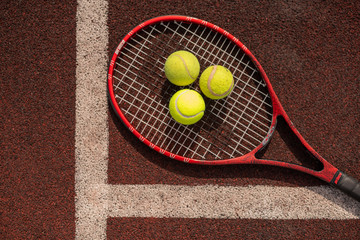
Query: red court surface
point(70, 169)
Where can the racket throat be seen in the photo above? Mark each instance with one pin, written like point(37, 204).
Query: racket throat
point(298, 156)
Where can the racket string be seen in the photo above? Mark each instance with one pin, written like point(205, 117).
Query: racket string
point(141, 56)
point(214, 47)
point(246, 84)
point(140, 108)
point(160, 115)
point(252, 119)
point(225, 63)
point(163, 114)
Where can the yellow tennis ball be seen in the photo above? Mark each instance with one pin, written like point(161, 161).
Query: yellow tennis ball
point(182, 68)
point(187, 106)
point(216, 82)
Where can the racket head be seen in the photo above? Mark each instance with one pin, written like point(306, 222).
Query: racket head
point(231, 131)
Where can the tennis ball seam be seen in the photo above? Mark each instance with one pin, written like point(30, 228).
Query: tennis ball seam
point(178, 110)
point(186, 67)
point(209, 84)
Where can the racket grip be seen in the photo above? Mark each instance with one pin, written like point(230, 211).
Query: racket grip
point(349, 185)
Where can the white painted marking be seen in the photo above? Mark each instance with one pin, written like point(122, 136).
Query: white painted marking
point(231, 202)
point(91, 131)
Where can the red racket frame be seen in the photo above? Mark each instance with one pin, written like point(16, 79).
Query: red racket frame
point(329, 173)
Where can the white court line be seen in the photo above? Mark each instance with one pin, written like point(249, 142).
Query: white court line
point(91, 130)
point(96, 200)
point(230, 202)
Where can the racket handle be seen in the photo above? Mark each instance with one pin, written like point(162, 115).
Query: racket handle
point(349, 185)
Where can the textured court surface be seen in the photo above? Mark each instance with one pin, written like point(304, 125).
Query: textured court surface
point(69, 168)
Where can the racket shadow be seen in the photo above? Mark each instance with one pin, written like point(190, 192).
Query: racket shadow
point(287, 147)
point(207, 174)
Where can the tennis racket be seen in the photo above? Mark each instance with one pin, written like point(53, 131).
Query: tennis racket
point(233, 130)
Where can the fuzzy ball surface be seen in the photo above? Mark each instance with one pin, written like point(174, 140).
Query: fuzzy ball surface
point(187, 106)
point(216, 82)
point(182, 68)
